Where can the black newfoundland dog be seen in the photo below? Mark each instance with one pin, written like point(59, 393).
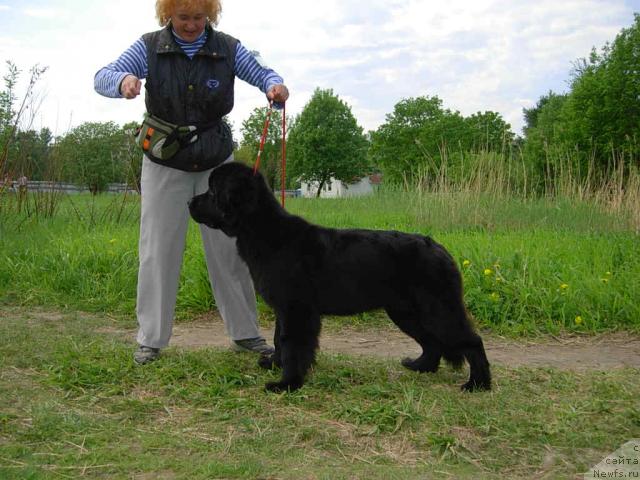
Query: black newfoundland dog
point(304, 271)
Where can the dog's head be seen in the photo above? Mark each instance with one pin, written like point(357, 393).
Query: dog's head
point(233, 196)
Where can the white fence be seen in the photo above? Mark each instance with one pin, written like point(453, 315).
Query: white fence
point(47, 186)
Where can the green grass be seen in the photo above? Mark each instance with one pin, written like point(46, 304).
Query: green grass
point(72, 404)
point(460, 211)
point(554, 266)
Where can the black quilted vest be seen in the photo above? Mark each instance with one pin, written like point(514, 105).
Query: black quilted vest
point(197, 91)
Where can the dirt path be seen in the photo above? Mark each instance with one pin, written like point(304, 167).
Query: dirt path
point(600, 352)
point(578, 353)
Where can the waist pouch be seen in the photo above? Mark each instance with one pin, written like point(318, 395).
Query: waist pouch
point(191, 148)
point(162, 140)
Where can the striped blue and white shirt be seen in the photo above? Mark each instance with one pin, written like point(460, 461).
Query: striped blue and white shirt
point(134, 62)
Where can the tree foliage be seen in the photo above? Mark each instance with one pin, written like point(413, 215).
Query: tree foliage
point(487, 131)
point(601, 112)
point(29, 154)
point(8, 100)
point(596, 120)
point(326, 142)
point(271, 157)
point(420, 133)
point(544, 130)
point(12, 117)
point(94, 154)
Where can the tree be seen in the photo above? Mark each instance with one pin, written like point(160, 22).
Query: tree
point(489, 132)
point(396, 147)
point(131, 156)
point(531, 114)
point(7, 102)
point(420, 134)
point(604, 106)
point(93, 155)
point(271, 157)
point(326, 142)
point(600, 115)
point(545, 130)
point(29, 154)
point(12, 112)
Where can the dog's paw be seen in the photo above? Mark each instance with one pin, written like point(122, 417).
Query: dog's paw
point(269, 362)
point(275, 387)
point(473, 386)
point(282, 386)
point(408, 363)
point(417, 366)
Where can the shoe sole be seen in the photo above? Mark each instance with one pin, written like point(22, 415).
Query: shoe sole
point(240, 349)
point(148, 359)
point(144, 362)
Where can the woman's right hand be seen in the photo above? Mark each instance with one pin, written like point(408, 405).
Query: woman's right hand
point(130, 86)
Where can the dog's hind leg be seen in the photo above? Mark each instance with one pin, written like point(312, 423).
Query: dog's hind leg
point(429, 361)
point(408, 322)
point(459, 341)
point(446, 320)
point(480, 373)
point(299, 332)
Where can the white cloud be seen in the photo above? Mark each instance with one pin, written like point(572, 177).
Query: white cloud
point(42, 12)
point(474, 55)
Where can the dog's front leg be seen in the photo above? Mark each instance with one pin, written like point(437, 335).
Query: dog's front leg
point(298, 341)
point(269, 362)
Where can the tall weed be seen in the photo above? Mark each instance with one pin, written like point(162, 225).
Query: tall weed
point(552, 256)
point(472, 182)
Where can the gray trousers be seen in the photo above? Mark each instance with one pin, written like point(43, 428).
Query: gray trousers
point(163, 229)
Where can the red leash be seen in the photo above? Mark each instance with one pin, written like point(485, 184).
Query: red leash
point(265, 130)
point(256, 165)
point(284, 152)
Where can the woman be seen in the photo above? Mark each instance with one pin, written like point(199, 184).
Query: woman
point(189, 69)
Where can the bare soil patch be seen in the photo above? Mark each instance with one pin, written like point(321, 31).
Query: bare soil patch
point(577, 353)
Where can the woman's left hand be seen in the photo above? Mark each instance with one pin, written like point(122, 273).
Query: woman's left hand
point(278, 93)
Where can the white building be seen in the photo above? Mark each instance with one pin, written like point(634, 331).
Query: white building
point(335, 188)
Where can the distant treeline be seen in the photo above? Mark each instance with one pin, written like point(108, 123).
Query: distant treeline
point(594, 126)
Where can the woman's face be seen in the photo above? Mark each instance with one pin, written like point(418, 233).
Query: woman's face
point(189, 24)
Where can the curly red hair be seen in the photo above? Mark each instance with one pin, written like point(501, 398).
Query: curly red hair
point(166, 8)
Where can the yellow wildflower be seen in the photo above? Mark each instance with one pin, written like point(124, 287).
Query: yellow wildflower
point(466, 263)
point(578, 320)
point(487, 272)
point(564, 286)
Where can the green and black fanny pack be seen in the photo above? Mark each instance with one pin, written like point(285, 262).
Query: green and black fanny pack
point(162, 140)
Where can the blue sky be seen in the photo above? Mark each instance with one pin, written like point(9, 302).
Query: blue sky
point(475, 55)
